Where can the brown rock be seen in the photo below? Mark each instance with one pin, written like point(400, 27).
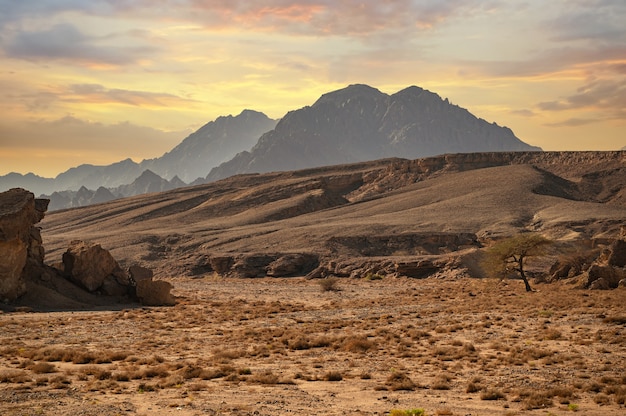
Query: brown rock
point(88, 264)
point(418, 269)
point(292, 265)
point(138, 273)
point(20, 242)
point(155, 293)
point(617, 256)
point(251, 265)
point(221, 264)
point(602, 277)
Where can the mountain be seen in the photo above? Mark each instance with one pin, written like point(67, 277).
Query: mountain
point(360, 123)
point(214, 143)
point(147, 182)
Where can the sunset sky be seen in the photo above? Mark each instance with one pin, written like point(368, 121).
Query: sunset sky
point(101, 80)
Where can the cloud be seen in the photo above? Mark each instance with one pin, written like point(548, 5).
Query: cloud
point(524, 113)
point(71, 134)
point(95, 93)
point(572, 122)
point(43, 99)
point(65, 42)
point(607, 94)
point(325, 17)
point(595, 20)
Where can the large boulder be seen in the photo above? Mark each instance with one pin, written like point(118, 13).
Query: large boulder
point(90, 265)
point(155, 293)
point(20, 240)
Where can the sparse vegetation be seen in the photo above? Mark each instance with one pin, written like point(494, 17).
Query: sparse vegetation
point(329, 284)
point(510, 254)
point(381, 338)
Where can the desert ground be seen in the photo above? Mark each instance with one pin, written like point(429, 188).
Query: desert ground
point(324, 347)
point(360, 341)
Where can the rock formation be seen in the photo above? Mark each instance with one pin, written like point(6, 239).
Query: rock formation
point(20, 241)
point(87, 265)
point(90, 266)
point(606, 270)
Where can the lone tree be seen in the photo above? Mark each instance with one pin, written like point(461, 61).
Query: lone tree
point(508, 255)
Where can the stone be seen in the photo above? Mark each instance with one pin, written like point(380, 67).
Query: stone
point(617, 256)
point(251, 265)
point(89, 264)
point(155, 293)
point(138, 273)
point(418, 269)
point(20, 241)
point(292, 265)
point(221, 264)
point(602, 277)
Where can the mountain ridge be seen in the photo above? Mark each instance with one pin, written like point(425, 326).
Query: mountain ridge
point(352, 124)
point(411, 123)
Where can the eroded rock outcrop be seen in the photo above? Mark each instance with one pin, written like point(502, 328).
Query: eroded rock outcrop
point(603, 271)
point(21, 248)
point(89, 265)
point(95, 269)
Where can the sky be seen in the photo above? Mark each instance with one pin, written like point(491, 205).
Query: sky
point(99, 81)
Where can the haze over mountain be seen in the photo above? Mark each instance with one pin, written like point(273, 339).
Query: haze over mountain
point(354, 124)
point(212, 144)
point(360, 123)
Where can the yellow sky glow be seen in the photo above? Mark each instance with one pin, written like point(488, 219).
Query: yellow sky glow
point(97, 82)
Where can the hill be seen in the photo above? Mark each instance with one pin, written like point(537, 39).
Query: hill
point(391, 207)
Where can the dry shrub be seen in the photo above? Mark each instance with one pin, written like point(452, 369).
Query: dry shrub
point(400, 381)
point(267, 377)
point(212, 373)
point(537, 400)
point(299, 343)
point(14, 376)
point(617, 320)
point(550, 334)
point(160, 371)
point(472, 387)
point(442, 382)
point(333, 376)
point(492, 394)
point(602, 399)
point(224, 355)
point(329, 284)
point(42, 368)
point(357, 344)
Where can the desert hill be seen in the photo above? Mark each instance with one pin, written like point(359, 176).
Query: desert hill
point(392, 207)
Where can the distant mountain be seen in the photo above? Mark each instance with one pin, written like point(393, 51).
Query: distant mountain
point(147, 182)
point(214, 143)
point(360, 123)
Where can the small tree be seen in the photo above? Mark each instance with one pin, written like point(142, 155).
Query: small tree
point(509, 255)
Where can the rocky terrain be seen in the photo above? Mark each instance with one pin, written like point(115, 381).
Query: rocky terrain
point(349, 289)
point(87, 276)
point(393, 216)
